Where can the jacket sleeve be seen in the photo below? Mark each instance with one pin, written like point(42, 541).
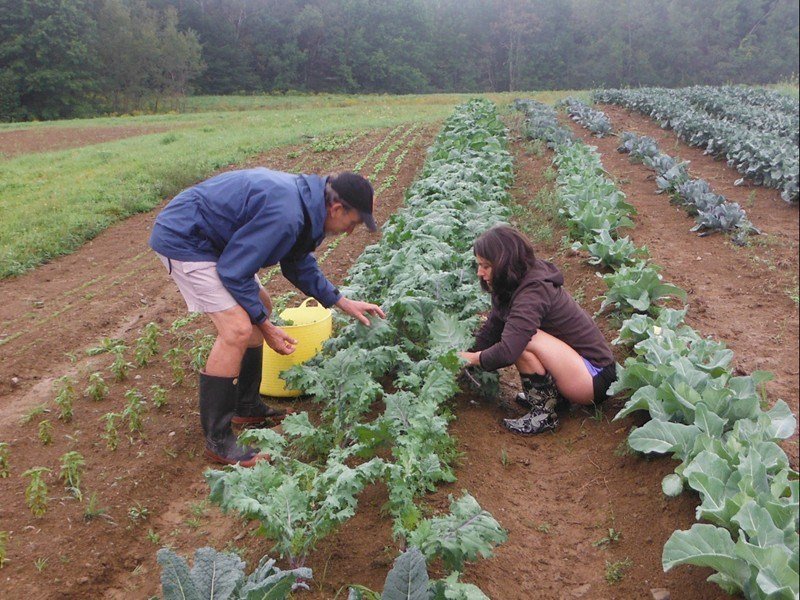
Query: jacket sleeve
point(304, 273)
point(489, 333)
point(262, 240)
point(524, 317)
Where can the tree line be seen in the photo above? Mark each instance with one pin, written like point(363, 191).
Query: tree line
point(62, 58)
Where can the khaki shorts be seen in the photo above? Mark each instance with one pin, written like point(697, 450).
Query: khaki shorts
point(200, 285)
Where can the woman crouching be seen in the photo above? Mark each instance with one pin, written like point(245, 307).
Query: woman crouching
point(537, 326)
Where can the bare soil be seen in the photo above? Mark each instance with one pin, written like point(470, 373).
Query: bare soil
point(27, 141)
point(556, 494)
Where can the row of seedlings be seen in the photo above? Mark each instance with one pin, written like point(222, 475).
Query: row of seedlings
point(382, 389)
point(701, 413)
point(587, 116)
point(760, 156)
point(756, 108)
point(712, 212)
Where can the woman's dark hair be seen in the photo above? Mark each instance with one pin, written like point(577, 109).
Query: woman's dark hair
point(511, 255)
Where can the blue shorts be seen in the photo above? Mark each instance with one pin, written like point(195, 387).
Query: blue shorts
point(602, 378)
point(591, 368)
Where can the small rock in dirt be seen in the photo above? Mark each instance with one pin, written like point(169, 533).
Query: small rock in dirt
point(171, 433)
point(15, 381)
point(83, 581)
point(660, 593)
point(580, 592)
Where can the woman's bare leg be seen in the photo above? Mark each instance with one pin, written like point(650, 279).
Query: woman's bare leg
point(547, 354)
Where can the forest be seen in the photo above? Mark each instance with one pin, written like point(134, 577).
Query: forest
point(73, 58)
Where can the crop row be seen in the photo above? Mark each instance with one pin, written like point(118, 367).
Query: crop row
point(586, 116)
point(700, 412)
point(761, 156)
point(758, 109)
point(711, 211)
point(420, 273)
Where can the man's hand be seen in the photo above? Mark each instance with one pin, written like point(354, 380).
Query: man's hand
point(277, 339)
point(472, 358)
point(359, 310)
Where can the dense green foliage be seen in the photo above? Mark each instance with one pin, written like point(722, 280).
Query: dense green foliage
point(221, 576)
point(71, 58)
point(709, 419)
point(58, 58)
point(382, 389)
point(755, 130)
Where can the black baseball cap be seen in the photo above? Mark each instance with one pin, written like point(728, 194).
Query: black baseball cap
point(357, 192)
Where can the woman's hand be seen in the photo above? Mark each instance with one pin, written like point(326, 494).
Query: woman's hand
point(360, 310)
point(472, 358)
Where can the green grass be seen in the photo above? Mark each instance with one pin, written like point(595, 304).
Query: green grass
point(788, 87)
point(53, 202)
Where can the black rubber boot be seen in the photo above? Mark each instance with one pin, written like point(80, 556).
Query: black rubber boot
point(217, 403)
point(539, 391)
point(537, 421)
point(250, 410)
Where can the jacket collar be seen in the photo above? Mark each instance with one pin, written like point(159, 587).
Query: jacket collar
point(312, 195)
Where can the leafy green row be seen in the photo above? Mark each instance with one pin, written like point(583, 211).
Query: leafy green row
point(592, 119)
point(711, 421)
point(382, 389)
point(711, 211)
point(541, 123)
point(756, 108)
point(760, 156)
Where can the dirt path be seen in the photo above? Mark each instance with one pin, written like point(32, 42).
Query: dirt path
point(741, 296)
point(27, 141)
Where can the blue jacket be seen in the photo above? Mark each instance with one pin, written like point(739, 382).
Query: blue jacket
point(245, 221)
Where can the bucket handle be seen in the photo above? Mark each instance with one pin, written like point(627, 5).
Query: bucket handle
point(307, 300)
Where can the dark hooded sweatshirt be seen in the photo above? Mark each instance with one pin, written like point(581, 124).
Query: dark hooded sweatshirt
point(540, 302)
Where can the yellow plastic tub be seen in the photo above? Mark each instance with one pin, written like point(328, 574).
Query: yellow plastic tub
point(313, 325)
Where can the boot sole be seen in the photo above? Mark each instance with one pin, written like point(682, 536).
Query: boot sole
point(221, 460)
point(276, 420)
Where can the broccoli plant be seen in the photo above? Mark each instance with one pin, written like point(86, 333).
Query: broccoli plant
point(200, 349)
point(611, 253)
point(176, 357)
point(3, 542)
point(72, 464)
point(45, 432)
point(146, 345)
point(120, 367)
point(111, 434)
point(65, 396)
point(112, 345)
point(296, 503)
point(4, 464)
point(637, 289)
point(221, 575)
point(134, 410)
point(465, 534)
point(409, 580)
point(97, 388)
point(36, 492)
point(159, 395)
